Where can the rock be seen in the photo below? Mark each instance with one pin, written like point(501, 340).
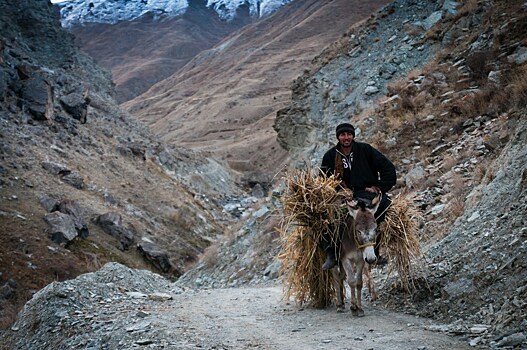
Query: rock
point(370, 90)
point(111, 223)
point(414, 176)
point(258, 191)
point(513, 340)
point(76, 104)
point(460, 287)
point(62, 227)
point(74, 179)
point(71, 208)
point(431, 20)
point(153, 254)
point(55, 168)
point(49, 203)
point(494, 77)
point(8, 290)
point(519, 56)
point(37, 97)
point(475, 215)
point(479, 328)
point(261, 212)
point(450, 6)
point(387, 70)
point(137, 295)
point(437, 209)
point(160, 296)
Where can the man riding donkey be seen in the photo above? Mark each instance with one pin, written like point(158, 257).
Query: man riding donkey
point(362, 169)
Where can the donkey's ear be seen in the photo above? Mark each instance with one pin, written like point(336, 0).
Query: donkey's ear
point(353, 207)
point(377, 200)
point(352, 203)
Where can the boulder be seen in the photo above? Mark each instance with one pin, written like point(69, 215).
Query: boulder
point(70, 177)
point(55, 168)
point(415, 176)
point(76, 104)
point(37, 97)
point(111, 223)
point(62, 227)
point(48, 202)
point(74, 179)
point(8, 290)
point(153, 254)
point(71, 208)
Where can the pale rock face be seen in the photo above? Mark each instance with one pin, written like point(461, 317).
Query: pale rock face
point(74, 12)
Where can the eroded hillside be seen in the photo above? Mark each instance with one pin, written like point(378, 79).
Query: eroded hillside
point(82, 183)
point(144, 51)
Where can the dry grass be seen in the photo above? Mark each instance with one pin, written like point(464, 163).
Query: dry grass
point(400, 240)
point(309, 207)
point(210, 255)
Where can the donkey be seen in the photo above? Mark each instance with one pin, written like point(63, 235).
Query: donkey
point(358, 235)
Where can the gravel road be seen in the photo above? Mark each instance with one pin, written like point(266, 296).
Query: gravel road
point(259, 318)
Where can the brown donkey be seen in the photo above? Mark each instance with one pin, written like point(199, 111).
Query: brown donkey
point(358, 235)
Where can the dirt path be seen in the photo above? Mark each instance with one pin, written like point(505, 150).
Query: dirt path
point(258, 318)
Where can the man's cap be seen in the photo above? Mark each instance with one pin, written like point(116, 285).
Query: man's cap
point(345, 127)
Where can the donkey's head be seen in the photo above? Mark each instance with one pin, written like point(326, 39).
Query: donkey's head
point(365, 230)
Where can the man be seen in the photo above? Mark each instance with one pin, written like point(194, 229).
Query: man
point(360, 167)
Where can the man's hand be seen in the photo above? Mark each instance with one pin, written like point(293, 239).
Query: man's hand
point(371, 189)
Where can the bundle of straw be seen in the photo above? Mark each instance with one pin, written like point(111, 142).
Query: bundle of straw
point(399, 232)
point(311, 209)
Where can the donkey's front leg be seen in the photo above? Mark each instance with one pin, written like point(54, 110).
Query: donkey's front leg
point(367, 272)
point(358, 311)
point(351, 274)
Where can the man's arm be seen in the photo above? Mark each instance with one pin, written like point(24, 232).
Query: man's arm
point(386, 169)
point(328, 164)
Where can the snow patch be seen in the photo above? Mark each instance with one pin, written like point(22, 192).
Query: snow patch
point(74, 12)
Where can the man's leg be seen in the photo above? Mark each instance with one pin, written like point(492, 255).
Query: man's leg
point(330, 247)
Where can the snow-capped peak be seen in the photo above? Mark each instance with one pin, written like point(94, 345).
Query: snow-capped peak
point(112, 11)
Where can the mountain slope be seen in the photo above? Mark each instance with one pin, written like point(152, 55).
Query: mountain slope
point(225, 99)
point(145, 50)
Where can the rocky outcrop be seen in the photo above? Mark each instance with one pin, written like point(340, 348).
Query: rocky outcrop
point(66, 220)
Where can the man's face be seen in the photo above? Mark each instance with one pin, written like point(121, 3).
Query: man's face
point(345, 139)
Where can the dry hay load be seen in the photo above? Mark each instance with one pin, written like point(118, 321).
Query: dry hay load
point(311, 207)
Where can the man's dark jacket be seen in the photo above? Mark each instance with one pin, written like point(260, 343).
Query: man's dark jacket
point(368, 168)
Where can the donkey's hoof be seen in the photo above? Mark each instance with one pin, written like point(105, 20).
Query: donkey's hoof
point(340, 308)
point(360, 313)
point(355, 311)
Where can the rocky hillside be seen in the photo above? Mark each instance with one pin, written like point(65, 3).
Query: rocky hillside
point(82, 182)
